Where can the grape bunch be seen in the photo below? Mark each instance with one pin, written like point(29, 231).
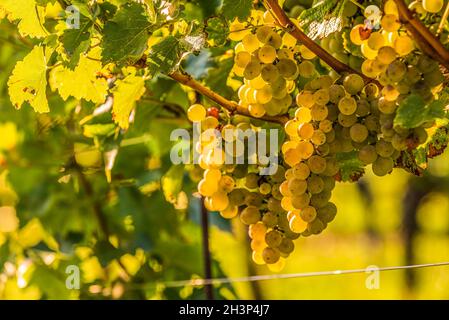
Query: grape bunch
point(329, 115)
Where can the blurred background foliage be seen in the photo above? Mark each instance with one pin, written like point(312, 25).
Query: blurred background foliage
point(128, 240)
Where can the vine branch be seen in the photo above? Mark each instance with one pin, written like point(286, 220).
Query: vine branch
point(416, 27)
point(285, 22)
point(231, 106)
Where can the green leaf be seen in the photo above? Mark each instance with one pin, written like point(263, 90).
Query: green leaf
point(126, 93)
point(217, 77)
point(30, 16)
point(413, 111)
point(216, 29)
point(126, 35)
point(71, 39)
point(172, 182)
point(350, 166)
point(236, 9)
point(165, 56)
point(99, 129)
point(28, 81)
point(322, 19)
point(433, 147)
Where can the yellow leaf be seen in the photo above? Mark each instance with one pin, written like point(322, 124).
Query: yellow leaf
point(126, 93)
point(31, 17)
point(8, 219)
point(82, 82)
point(28, 81)
point(31, 234)
point(9, 134)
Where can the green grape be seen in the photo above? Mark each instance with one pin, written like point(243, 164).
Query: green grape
point(358, 132)
point(300, 201)
point(433, 78)
point(270, 255)
point(426, 64)
point(376, 41)
point(308, 214)
point(287, 68)
point(274, 205)
point(367, 154)
point(325, 126)
point(363, 108)
point(336, 93)
point(396, 70)
point(332, 168)
point(273, 238)
point(242, 59)
point(421, 135)
point(387, 107)
point(384, 148)
point(316, 164)
point(399, 143)
point(279, 175)
point(237, 197)
point(321, 96)
point(353, 84)
point(329, 183)
point(315, 184)
point(252, 181)
point(274, 40)
point(386, 55)
point(253, 199)
point(267, 54)
point(297, 186)
point(250, 42)
point(306, 69)
point(321, 199)
point(196, 113)
point(265, 188)
point(319, 112)
point(382, 166)
point(347, 105)
point(318, 138)
point(250, 215)
point(252, 70)
point(263, 33)
point(286, 246)
point(327, 213)
point(372, 123)
point(347, 120)
point(433, 6)
point(371, 91)
point(316, 226)
point(270, 219)
point(269, 73)
point(301, 171)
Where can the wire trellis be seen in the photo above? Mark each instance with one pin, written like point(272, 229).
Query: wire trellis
point(217, 281)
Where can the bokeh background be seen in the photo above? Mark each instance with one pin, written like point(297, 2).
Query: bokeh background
point(129, 241)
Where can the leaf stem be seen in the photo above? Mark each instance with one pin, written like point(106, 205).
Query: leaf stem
point(443, 20)
point(231, 106)
point(285, 22)
point(416, 27)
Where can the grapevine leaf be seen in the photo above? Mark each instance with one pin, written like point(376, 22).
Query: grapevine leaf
point(236, 9)
point(216, 31)
point(351, 168)
point(172, 182)
point(126, 35)
point(165, 56)
point(413, 111)
point(31, 17)
point(126, 93)
point(28, 81)
point(322, 19)
point(83, 82)
point(72, 38)
point(217, 77)
point(433, 147)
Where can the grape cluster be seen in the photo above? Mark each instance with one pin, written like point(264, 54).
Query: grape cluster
point(329, 114)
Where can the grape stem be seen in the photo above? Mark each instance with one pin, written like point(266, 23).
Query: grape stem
point(443, 20)
point(285, 22)
point(429, 42)
point(231, 106)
